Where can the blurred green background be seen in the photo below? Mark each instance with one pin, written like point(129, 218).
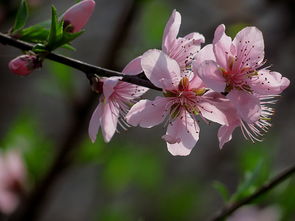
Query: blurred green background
point(134, 177)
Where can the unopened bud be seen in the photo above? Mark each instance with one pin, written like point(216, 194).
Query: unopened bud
point(24, 64)
point(77, 16)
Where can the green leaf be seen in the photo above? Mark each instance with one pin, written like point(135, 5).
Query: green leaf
point(67, 38)
point(69, 47)
point(56, 31)
point(222, 190)
point(248, 186)
point(34, 34)
point(21, 16)
point(52, 37)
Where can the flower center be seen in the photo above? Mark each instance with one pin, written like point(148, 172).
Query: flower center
point(184, 98)
point(237, 79)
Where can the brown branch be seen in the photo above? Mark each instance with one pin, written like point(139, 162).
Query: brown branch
point(229, 209)
point(88, 69)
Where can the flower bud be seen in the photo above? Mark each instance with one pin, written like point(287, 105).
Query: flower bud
point(77, 16)
point(24, 64)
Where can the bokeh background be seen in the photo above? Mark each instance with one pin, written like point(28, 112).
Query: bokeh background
point(134, 177)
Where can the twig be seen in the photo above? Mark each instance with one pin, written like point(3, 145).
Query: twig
point(229, 209)
point(88, 69)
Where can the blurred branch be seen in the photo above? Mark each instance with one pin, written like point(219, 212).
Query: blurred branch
point(88, 69)
point(229, 209)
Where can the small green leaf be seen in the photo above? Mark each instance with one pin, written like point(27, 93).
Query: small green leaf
point(35, 34)
point(21, 16)
point(67, 38)
point(54, 33)
point(249, 184)
point(69, 47)
point(222, 190)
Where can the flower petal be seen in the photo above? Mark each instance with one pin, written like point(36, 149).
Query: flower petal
point(213, 110)
point(196, 82)
point(129, 91)
point(268, 83)
point(171, 31)
point(221, 46)
point(109, 120)
point(249, 46)
point(185, 49)
point(161, 70)
point(133, 67)
point(247, 105)
point(225, 134)
point(109, 85)
point(95, 122)
point(147, 114)
point(206, 53)
point(182, 135)
point(209, 72)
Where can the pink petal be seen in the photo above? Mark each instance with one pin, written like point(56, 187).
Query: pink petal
point(249, 46)
point(95, 120)
point(185, 49)
point(133, 67)
point(196, 82)
point(109, 85)
point(161, 70)
point(196, 37)
point(147, 114)
point(247, 105)
point(211, 75)
point(129, 91)
point(225, 134)
point(171, 31)
point(109, 121)
point(206, 53)
point(212, 110)
point(268, 83)
point(182, 135)
point(221, 46)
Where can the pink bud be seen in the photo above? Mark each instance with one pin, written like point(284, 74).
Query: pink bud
point(24, 64)
point(78, 15)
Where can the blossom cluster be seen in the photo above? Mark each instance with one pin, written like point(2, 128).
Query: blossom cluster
point(225, 82)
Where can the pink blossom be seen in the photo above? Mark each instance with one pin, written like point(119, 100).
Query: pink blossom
point(24, 64)
point(12, 180)
point(254, 130)
point(235, 67)
point(184, 99)
point(182, 49)
point(115, 99)
point(77, 16)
